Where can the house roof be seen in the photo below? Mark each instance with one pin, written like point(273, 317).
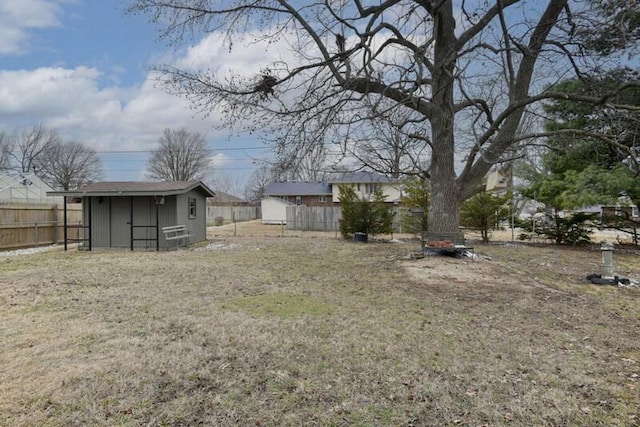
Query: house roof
point(23, 187)
point(362, 176)
point(135, 188)
point(297, 189)
point(226, 198)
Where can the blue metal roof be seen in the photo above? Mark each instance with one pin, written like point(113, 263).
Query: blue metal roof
point(297, 189)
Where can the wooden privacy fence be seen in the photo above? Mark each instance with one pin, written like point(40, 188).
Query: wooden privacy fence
point(218, 215)
point(32, 224)
point(313, 218)
point(319, 218)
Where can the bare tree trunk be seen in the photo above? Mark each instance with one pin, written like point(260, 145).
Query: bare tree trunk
point(444, 212)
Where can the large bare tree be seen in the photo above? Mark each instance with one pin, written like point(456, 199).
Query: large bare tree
point(180, 156)
point(463, 72)
point(69, 165)
point(28, 145)
point(257, 182)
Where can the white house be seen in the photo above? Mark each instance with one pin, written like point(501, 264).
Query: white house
point(365, 184)
point(279, 195)
point(25, 187)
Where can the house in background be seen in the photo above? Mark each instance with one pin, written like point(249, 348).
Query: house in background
point(625, 209)
point(499, 182)
point(366, 183)
point(226, 208)
point(132, 214)
point(25, 188)
point(279, 195)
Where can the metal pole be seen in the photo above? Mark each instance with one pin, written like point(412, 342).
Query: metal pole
point(64, 201)
point(90, 224)
point(157, 226)
point(131, 220)
point(513, 217)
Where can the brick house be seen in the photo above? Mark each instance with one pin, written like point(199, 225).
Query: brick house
point(301, 193)
point(279, 195)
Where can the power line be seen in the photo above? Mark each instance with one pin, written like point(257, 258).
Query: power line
point(150, 151)
point(142, 169)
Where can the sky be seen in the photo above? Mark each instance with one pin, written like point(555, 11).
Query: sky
point(83, 68)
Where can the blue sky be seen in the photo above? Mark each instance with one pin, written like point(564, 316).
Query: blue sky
point(82, 67)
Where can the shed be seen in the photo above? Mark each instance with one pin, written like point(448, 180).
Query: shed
point(132, 214)
point(274, 210)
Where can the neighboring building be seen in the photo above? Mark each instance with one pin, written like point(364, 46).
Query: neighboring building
point(499, 182)
point(274, 210)
point(301, 193)
point(279, 195)
point(366, 183)
point(132, 214)
point(624, 208)
point(225, 208)
point(627, 212)
point(25, 187)
point(226, 199)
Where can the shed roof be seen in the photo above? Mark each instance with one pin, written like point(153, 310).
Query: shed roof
point(136, 188)
point(362, 176)
point(297, 189)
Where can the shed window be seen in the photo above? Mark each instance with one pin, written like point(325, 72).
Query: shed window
point(192, 207)
point(322, 199)
point(298, 200)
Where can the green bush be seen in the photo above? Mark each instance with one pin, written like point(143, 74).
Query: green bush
point(360, 215)
point(415, 199)
point(484, 212)
point(574, 230)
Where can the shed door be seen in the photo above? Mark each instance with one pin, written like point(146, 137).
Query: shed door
point(120, 222)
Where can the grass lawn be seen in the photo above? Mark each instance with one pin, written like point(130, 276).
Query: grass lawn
point(290, 331)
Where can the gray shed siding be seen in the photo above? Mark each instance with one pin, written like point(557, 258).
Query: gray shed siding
point(144, 221)
point(167, 217)
point(197, 226)
point(100, 223)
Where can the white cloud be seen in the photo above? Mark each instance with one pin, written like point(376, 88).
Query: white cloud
point(73, 102)
point(83, 104)
point(247, 57)
point(19, 17)
point(219, 160)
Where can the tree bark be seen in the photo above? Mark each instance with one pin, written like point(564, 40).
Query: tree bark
point(444, 212)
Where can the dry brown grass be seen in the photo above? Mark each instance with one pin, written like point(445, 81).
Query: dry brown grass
point(297, 331)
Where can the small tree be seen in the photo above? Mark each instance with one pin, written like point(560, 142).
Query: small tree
point(415, 197)
point(623, 223)
point(181, 156)
point(572, 230)
point(483, 212)
point(361, 215)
